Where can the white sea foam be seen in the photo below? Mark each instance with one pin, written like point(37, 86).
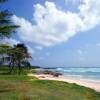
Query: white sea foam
point(90, 73)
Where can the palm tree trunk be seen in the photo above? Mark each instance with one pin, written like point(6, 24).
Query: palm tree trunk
point(19, 66)
point(11, 66)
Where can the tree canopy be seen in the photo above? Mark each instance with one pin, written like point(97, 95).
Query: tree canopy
point(14, 56)
point(6, 25)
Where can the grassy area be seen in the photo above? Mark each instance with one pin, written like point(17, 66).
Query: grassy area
point(22, 87)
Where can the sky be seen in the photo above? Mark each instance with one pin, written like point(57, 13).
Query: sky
point(58, 33)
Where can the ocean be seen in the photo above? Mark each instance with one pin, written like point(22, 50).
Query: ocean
point(88, 73)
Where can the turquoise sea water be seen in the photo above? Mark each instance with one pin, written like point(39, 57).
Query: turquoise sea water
point(91, 73)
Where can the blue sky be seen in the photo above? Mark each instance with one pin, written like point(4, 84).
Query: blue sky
point(58, 32)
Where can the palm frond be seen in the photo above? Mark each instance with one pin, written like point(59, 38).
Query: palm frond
point(2, 1)
point(5, 17)
point(6, 30)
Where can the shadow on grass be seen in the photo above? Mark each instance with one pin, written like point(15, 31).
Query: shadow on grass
point(16, 71)
point(5, 73)
point(6, 90)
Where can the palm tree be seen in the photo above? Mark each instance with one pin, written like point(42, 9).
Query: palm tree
point(6, 29)
point(4, 50)
point(6, 25)
point(19, 56)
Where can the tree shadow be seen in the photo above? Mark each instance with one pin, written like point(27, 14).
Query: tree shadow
point(5, 73)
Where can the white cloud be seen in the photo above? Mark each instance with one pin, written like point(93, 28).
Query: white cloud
point(53, 26)
point(30, 50)
point(10, 41)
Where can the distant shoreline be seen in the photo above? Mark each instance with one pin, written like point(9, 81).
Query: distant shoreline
point(37, 67)
point(86, 83)
point(64, 67)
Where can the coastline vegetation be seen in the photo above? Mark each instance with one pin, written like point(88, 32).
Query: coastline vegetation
point(22, 87)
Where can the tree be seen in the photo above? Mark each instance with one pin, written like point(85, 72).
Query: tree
point(14, 56)
point(6, 25)
point(19, 56)
point(4, 49)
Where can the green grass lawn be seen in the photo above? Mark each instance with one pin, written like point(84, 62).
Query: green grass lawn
point(22, 87)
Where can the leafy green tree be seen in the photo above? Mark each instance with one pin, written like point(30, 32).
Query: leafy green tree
point(19, 56)
point(14, 56)
point(6, 29)
point(4, 50)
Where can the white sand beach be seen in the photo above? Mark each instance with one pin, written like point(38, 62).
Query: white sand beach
point(86, 83)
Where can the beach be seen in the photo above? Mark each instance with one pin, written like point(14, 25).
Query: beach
point(82, 82)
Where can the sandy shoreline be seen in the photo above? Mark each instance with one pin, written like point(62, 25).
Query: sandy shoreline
point(86, 83)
